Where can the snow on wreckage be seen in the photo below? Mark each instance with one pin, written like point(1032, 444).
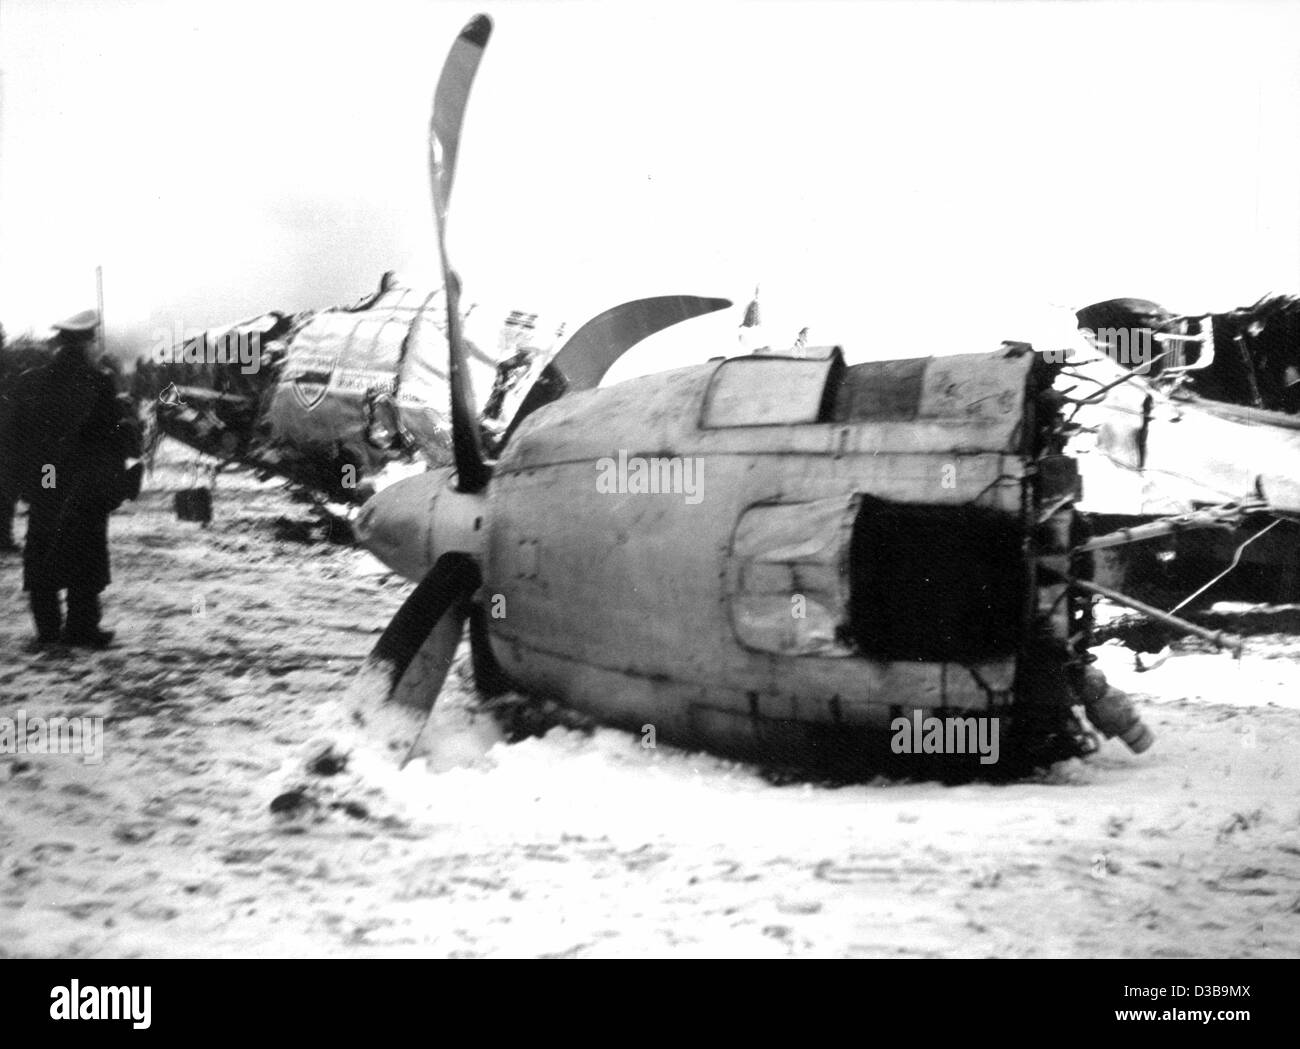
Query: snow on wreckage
point(875, 541)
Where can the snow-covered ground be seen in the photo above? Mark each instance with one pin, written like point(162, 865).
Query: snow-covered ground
point(236, 646)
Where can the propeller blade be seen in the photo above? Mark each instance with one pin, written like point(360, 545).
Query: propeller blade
point(418, 688)
point(422, 683)
point(449, 103)
point(583, 361)
point(489, 679)
point(409, 662)
point(592, 350)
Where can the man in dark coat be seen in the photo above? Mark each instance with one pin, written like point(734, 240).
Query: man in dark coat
point(63, 451)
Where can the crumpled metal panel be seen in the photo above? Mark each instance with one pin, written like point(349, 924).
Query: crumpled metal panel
point(790, 583)
point(1151, 455)
point(395, 345)
point(336, 360)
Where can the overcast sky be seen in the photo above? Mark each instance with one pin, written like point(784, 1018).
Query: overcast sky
point(902, 179)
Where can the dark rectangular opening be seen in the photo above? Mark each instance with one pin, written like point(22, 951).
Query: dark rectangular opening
point(935, 583)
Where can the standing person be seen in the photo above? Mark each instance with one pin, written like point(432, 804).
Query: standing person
point(63, 448)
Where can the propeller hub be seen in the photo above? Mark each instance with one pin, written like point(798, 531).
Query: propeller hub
point(412, 523)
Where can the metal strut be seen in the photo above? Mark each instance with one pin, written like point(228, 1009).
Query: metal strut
point(1216, 637)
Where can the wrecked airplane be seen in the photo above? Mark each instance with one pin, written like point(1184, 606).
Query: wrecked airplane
point(1194, 426)
point(328, 400)
point(1248, 356)
point(869, 541)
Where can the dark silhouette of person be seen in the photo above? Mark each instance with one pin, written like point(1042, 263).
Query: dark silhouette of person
point(63, 448)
